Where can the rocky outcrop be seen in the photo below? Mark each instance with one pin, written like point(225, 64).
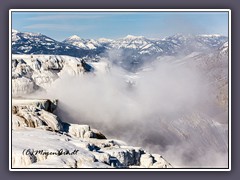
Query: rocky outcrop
point(82, 131)
point(154, 161)
point(37, 72)
point(35, 113)
point(41, 140)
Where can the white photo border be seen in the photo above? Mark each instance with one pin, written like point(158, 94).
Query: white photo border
point(120, 10)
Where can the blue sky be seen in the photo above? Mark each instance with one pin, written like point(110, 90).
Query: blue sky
point(60, 25)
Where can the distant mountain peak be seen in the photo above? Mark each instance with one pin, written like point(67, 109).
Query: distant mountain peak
point(74, 37)
point(104, 40)
point(133, 37)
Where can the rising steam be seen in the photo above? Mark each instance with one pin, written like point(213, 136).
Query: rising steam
point(165, 110)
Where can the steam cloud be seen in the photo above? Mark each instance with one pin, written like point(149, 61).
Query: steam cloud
point(166, 111)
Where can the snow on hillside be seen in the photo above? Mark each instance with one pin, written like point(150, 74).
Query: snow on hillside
point(37, 72)
point(136, 48)
point(59, 144)
point(105, 40)
point(37, 43)
point(88, 44)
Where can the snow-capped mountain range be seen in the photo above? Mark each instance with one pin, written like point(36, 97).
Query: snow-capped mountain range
point(36, 43)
